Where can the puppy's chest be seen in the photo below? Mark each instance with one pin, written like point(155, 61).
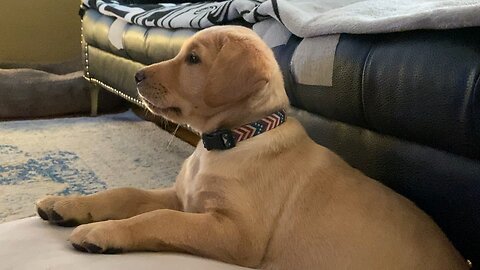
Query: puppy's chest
point(199, 198)
point(201, 191)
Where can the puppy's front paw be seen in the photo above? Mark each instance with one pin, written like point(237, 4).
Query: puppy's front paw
point(106, 237)
point(63, 211)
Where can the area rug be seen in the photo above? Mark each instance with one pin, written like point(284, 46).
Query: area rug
point(81, 156)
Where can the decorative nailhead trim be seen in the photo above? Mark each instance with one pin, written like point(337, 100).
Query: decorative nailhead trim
point(96, 81)
point(85, 49)
point(115, 91)
point(129, 98)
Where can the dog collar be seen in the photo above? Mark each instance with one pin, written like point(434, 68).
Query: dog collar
point(223, 139)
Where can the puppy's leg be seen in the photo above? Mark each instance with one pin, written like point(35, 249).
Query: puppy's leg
point(117, 203)
point(205, 234)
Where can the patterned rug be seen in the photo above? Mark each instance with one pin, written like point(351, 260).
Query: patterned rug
point(81, 156)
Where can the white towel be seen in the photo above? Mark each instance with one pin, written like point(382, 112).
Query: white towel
point(310, 18)
point(312, 61)
point(319, 22)
point(115, 33)
point(272, 32)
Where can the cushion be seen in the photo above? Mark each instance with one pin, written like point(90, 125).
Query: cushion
point(141, 44)
point(31, 243)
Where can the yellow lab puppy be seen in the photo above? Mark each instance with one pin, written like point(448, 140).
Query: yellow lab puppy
point(271, 198)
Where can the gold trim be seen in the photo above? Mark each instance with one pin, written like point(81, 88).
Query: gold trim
point(115, 91)
point(86, 74)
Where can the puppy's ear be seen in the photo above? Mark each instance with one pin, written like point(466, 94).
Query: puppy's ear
point(239, 70)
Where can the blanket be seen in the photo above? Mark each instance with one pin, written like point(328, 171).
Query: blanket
point(320, 22)
point(313, 20)
point(179, 15)
point(304, 18)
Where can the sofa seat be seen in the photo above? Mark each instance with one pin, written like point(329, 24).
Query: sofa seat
point(31, 243)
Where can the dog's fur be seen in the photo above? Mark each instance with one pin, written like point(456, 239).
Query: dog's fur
point(275, 201)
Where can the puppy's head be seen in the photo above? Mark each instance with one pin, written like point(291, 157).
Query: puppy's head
point(222, 77)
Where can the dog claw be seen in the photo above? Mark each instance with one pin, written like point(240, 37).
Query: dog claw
point(92, 248)
point(58, 220)
point(42, 214)
point(56, 217)
point(79, 247)
point(113, 251)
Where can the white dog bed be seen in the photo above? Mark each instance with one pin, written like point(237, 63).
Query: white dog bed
point(34, 244)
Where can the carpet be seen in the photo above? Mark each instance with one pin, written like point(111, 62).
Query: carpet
point(82, 155)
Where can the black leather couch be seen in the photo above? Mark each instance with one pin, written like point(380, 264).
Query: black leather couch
point(404, 108)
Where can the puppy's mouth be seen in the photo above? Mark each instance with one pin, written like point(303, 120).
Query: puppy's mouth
point(164, 110)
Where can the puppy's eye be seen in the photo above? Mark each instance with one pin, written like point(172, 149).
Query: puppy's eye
point(193, 58)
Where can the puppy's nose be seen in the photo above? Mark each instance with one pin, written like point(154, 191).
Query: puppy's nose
point(139, 76)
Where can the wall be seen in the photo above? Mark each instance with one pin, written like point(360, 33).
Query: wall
point(39, 31)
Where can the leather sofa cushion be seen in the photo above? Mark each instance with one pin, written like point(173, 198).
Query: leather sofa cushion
point(421, 86)
point(141, 44)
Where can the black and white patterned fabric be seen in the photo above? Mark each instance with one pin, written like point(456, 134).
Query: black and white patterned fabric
point(180, 15)
point(304, 18)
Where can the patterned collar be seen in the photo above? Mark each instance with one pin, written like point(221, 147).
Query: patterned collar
point(224, 139)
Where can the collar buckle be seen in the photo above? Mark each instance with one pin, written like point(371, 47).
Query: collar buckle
point(221, 139)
